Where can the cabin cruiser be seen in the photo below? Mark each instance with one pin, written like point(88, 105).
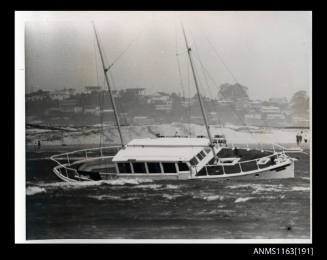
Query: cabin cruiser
point(177, 158)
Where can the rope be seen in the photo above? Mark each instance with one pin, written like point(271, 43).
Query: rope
point(221, 59)
point(233, 76)
point(126, 49)
point(207, 89)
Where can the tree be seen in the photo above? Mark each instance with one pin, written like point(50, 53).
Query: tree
point(233, 91)
point(300, 103)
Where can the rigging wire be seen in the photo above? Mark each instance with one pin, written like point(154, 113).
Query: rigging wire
point(232, 110)
point(125, 50)
point(231, 73)
point(215, 84)
point(207, 85)
point(220, 58)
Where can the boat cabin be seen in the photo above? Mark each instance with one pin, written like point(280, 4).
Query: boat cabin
point(163, 156)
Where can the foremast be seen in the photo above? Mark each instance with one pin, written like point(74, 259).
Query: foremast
point(105, 70)
point(189, 52)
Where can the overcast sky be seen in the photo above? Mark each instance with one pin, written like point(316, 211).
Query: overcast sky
point(269, 52)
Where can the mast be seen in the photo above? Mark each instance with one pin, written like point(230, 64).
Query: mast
point(199, 95)
point(109, 88)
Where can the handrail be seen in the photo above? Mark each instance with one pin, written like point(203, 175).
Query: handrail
point(56, 157)
point(88, 149)
point(267, 156)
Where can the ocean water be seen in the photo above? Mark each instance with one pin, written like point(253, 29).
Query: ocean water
point(146, 209)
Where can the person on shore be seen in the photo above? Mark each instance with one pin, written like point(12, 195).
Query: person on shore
point(300, 137)
point(305, 138)
point(297, 138)
point(38, 144)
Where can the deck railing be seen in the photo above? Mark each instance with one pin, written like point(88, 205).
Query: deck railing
point(66, 160)
point(240, 167)
point(67, 172)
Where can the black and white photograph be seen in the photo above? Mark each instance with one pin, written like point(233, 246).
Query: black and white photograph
point(163, 126)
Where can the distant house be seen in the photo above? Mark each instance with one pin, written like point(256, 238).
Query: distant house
point(61, 94)
point(142, 120)
point(275, 117)
point(133, 91)
point(225, 102)
point(270, 109)
point(159, 97)
point(115, 93)
point(187, 102)
point(93, 89)
point(162, 101)
point(69, 105)
point(301, 121)
point(38, 95)
point(278, 101)
point(213, 118)
point(91, 109)
point(196, 119)
point(255, 104)
point(163, 107)
point(254, 119)
point(252, 116)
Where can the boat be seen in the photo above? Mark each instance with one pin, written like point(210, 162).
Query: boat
point(172, 157)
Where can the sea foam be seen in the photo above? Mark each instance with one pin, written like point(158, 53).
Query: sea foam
point(238, 200)
point(32, 190)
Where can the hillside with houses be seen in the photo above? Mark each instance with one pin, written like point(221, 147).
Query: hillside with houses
point(231, 105)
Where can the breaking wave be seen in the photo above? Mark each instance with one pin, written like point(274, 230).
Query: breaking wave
point(299, 188)
point(238, 200)
point(260, 188)
point(257, 188)
point(208, 197)
point(158, 186)
point(170, 197)
point(32, 190)
point(117, 182)
point(111, 197)
point(151, 186)
point(214, 197)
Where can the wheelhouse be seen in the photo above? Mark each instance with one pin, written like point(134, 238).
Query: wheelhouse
point(163, 156)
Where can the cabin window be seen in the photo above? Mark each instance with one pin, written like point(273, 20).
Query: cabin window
point(154, 167)
point(139, 167)
point(124, 168)
point(203, 154)
point(182, 167)
point(169, 167)
point(194, 161)
point(200, 157)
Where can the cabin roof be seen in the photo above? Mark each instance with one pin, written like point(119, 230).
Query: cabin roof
point(161, 149)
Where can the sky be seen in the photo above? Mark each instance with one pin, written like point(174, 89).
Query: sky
point(268, 52)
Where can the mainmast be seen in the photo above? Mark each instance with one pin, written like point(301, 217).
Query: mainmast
point(105, 70)
point(199, 95)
